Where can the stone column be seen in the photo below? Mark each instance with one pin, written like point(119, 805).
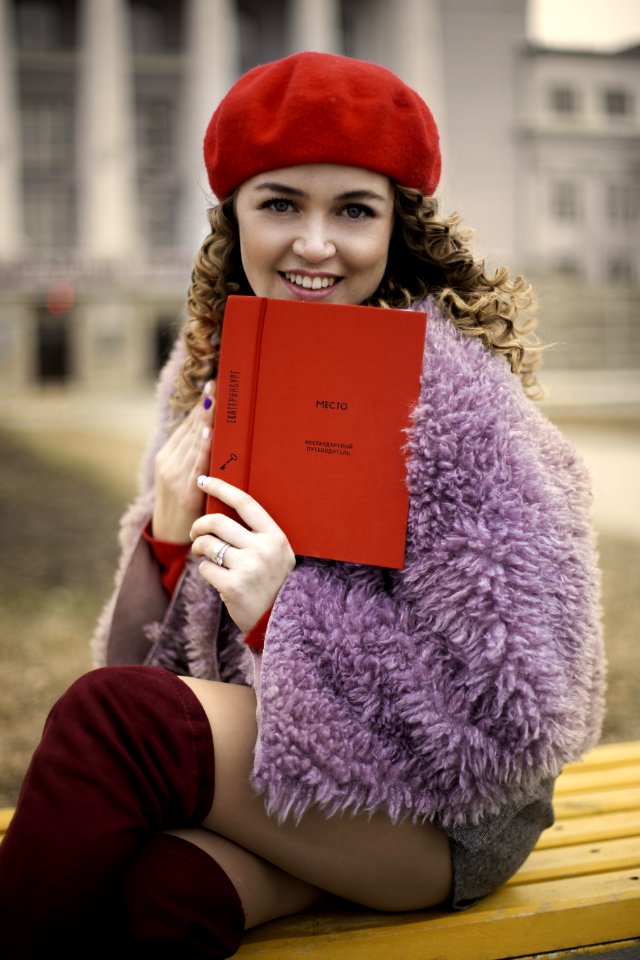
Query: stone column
point(315, 25)
point(211, 68)
point(416, 28)
point(11, 238)
point(105, 133)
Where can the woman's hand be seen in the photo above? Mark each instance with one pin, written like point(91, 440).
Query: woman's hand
point(184, 457)
point(257, 560)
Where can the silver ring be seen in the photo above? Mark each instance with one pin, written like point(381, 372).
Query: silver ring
point(219, 556)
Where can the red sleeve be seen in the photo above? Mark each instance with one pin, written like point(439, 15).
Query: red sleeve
point(170, 557)
point(255, 636)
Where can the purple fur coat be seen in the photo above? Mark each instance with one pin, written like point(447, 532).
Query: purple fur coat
point(443, 691)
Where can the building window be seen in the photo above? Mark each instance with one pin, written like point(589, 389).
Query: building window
point(45, 25)
point(566, 201)
point(621, 270)
point(623, 202)
point(565, 100)
point(261, 36)
point(165, 331)
point(49, 215)
point(156, 26)
point(158, 217)
point(47, 134)
point(158, 87)
point(53, 347)
point(154, 128)
point(618, 103)
point(567, 265)
point(354, 15)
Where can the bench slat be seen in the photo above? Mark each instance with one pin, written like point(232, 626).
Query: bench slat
point(607, 779)
point(620, 950)
point(596, 802)
point(535, 918)
point(607, 826)
point(580, 859)
point(607, 755)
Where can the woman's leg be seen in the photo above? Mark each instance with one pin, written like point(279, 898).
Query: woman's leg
point(361, 858)
point(188, 878)
point(125, 753)
point(191, 910)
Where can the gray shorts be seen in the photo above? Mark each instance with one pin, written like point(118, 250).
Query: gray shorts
point(484, 857)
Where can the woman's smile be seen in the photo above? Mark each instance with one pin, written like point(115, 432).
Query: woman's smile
point(310, 286)
point(315, 232)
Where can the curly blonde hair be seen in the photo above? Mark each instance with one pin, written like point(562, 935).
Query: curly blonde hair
point(428, 254)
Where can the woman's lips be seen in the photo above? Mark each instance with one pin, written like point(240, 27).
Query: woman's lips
point(315, 282)
point(310, 287)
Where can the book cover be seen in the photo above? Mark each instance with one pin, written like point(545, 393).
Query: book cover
point(313, 401)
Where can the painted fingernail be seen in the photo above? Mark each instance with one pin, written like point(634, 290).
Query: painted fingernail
point(207, 403)
point(206, 433)
point(202, 479)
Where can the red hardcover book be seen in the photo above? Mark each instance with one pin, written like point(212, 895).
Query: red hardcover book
point(313, 402)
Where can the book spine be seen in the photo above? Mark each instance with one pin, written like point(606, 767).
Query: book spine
point(236, 395)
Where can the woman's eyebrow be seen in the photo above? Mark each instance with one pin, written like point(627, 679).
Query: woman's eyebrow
point(274, 187)
point(280, 188)
point(360, 195)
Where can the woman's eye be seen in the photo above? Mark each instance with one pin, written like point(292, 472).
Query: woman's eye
point(278, 205)
point(356, 211)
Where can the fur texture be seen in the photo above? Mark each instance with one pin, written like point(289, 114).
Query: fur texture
point(449, 689)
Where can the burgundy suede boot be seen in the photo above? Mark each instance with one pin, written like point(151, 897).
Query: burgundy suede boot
point(178, 904)
point(126, 752)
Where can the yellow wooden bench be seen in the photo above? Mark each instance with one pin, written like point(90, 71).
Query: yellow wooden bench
point(577, 895)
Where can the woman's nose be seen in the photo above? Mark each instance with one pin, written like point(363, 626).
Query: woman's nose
point(313, 244)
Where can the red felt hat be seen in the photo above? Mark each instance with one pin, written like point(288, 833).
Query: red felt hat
point(321, 108)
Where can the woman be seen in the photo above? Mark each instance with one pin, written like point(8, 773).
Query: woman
point(272, 728)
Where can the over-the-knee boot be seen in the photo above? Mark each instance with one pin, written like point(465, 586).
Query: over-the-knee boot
point(178, 904)
point(126, 752)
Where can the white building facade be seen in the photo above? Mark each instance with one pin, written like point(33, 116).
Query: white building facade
point(579, 229)
point(103, 193)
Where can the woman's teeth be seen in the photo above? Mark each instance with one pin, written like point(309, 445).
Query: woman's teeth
point(310, 283)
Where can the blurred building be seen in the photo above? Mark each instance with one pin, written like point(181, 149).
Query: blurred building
point(578, 148)
point(103, 105)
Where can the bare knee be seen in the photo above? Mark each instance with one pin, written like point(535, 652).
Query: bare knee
point(265, 891)
point(367, 860)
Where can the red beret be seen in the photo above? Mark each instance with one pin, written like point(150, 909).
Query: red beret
point(321, 108)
